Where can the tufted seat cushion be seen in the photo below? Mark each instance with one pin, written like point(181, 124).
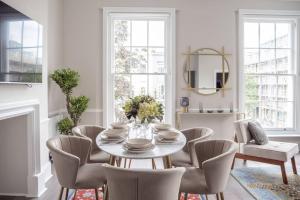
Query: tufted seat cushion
point(90, 176)
point(193, 181)
point(273, 150)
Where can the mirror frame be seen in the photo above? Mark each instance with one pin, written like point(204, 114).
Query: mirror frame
point(187, 65)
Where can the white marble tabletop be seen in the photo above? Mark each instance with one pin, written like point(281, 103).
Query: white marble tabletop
point(160, 150)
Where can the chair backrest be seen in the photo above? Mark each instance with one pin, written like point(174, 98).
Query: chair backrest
point(143, 184)
point(68, 153)
point(199, 133)
point(215, 157)
point(241, 130)
point(90, 131)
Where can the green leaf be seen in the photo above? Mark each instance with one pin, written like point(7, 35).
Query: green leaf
point(66, 79)
point(65, 126)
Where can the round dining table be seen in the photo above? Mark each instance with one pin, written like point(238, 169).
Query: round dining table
point(160, 150)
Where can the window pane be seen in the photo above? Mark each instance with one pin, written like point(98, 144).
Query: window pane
point(251, 110)
point(267, 61)
point(251, 35)
point(285, 88)
point(122, 32)
point(29, 59)
point(122, 59)
point(285, 115)
point(251, 57)
point(267, 35)
point(30, 34)
point(139, 33)
point(14, 34)
point(139, 60)
point(139, 85)
point(252, 87)
point(14, 60)
point(283, 61)
point(157, 60)
point(121, 93)
point(268, 88)
point(267, 114)
point(156, 33)
point(283, 35)
point(157, 86)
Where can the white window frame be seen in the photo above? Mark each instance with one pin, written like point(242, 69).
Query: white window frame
point(242, 15)
point(170, 61)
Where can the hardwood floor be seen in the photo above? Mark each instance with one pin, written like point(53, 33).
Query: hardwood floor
point(234, 190)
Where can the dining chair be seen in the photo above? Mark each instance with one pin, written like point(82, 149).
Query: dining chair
point(92, 131)
point(275, 153)
point(70, 156)
point(214, 159)
point(143, 184)
point(187, 157)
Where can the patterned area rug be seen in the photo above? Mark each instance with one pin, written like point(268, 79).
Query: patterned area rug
point(266, 183)
point(90, 195)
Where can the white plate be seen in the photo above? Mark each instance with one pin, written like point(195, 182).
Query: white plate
point(162, 140)
point(115, 133)
point(161, 126)
point(138, 143)
point(119, 125)
point(168, 135)
point(105, 138)
point(126, 148)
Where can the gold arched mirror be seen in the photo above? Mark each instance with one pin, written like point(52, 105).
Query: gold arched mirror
point(206, 71)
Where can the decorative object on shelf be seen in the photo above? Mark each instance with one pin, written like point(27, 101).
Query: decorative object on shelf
point(67, 80)
point(206, 70)
point(145, 108)
point(209, 111)
point(184, 103)
point(201, 107)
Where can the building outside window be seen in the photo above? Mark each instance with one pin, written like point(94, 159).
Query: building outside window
point(139, 59)
point(269, 70)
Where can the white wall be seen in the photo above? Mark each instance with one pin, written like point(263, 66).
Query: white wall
point(200, 23)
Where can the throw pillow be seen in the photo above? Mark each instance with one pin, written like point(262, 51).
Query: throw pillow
point(258, 133)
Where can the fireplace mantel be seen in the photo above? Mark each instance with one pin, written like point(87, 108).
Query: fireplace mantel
point(30, 109)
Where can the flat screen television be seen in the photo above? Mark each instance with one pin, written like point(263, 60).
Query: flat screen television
point(21, 47)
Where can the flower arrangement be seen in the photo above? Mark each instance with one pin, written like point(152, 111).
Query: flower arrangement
point(145, 107)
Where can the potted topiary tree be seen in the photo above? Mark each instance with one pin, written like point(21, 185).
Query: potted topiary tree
point(67, 79)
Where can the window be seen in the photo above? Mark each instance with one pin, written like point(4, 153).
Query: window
point(268, 64)
point(138, 58)
point(22, 47)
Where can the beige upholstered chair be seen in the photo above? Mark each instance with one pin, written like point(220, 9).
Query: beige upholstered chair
point(187, 157)
point(215, 158)
point(276, 153)
point(89, 131)
point(70, 155)
point(143, 184)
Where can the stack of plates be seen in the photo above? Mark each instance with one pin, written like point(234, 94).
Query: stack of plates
point(161, 127)
point(138, 145)
point(119, 125)
point(167, 136)
point(113, 135)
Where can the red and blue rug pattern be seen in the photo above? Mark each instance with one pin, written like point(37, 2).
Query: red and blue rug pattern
point(90, 195)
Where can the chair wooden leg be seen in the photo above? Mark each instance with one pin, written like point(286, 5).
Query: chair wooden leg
point(232, 166)
point(283, 172)
point(153, 164)
point(105, 193)
point(61, 193)
point(129, 165)
point(96, 193)
point(185, 196)
point(294, 165)
point(179, 195)
point(74, 194)
point(218, 197)
point(222, 195)
point(206, 197)
point(67, 192)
